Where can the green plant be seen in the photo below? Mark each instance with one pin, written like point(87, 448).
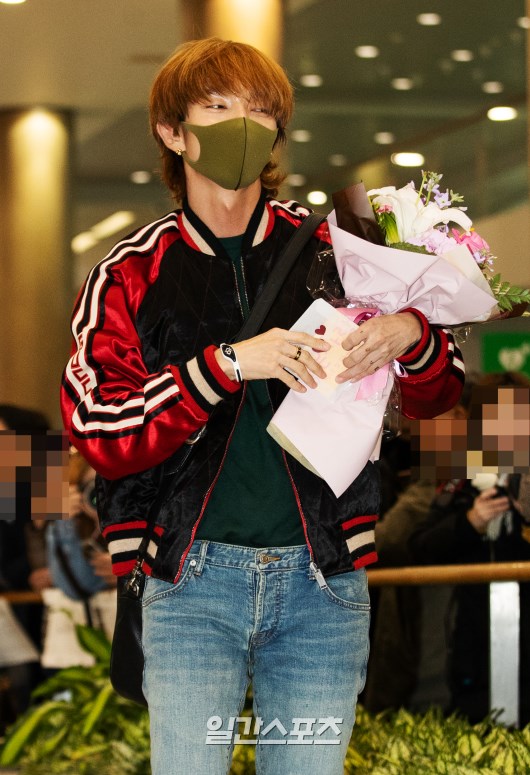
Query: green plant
point(405, 744)
point(78, 725)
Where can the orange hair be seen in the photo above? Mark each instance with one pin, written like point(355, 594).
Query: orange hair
point(202, 67)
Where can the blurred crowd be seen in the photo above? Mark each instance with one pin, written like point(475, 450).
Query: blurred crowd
point(454, 490)
point(61, 557)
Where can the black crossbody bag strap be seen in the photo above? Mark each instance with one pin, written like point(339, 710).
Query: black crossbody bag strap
point(278, 276)
point(249, 329)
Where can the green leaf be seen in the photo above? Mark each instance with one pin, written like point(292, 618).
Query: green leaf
point(94, 641)
point(506, 295)
point(21, 734)
point(73, 678)
point(97, 709)
point(53, 743)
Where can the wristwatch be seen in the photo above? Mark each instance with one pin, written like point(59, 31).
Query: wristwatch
point(230, 354)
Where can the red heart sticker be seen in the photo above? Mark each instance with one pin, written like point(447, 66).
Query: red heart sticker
point(321, 330)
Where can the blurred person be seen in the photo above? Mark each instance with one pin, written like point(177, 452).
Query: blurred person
point(477, 520)
point(408, 656)
point(255, 570)
point(22, 554)
point(522, 501)
point(80, 563)
point(81, 571)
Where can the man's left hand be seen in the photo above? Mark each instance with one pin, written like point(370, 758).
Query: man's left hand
point(377, 342)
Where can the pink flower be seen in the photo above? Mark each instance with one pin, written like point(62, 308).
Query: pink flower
point(471, 240)
point(478, 247)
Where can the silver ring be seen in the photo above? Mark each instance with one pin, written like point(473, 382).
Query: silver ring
point(298, 353)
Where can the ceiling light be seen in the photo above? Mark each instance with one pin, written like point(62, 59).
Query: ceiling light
point(114, 223)
point(524, 22)
point(12, 2)
point(312, 80)
point(384, 138)
point(338, 160)
point(407, 159)
point(461, 55)
point(429, 19)
point(105, 228)
point(317, 198)
point(140, 177)
point(402, 84)
point(492, 87)
point(301, 135)
point(294, 179)
point(367, 52)
point(502, 113)
point(83, 242)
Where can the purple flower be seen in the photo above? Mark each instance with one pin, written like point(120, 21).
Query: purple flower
point(442, 199)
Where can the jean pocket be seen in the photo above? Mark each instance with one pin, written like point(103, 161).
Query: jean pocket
point(157, 589)
point(349, 590)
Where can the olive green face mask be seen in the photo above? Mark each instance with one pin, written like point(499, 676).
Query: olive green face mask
point(233, 153)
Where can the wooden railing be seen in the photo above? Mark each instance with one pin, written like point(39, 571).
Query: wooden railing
point(22, 597)
point(503, 580)
point(477, 573)
point(450, 574)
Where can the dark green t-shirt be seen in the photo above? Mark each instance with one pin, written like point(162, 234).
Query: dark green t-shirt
point(253, 502)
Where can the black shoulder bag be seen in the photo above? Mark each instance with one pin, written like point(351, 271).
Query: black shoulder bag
point(127, 658)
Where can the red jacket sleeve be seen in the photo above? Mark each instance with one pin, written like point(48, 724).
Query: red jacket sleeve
point(434, 372)
point(121, 418)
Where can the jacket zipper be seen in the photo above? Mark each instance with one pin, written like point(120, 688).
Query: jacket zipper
point(296, 495)
point(210, 489)
point(216, 477)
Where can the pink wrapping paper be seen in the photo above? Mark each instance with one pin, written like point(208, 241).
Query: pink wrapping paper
point(334, 431)
point(334, 439)
point(393, 279)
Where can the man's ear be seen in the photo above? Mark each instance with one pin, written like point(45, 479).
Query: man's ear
point(172, 139)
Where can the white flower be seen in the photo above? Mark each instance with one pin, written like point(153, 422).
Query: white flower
point(412, 216)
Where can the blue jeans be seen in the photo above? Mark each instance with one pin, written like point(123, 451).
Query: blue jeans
point(240, 615)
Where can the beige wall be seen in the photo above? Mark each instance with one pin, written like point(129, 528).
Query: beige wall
point(508, 235)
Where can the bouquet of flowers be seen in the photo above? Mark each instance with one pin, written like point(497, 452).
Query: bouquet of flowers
point(397, 248)
point(393, 249)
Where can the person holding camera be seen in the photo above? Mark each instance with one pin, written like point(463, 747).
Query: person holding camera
point(484, 519)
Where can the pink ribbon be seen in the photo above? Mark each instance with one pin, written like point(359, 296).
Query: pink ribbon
point(373, 383)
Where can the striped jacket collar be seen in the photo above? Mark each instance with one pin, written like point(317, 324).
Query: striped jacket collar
point(199, 237)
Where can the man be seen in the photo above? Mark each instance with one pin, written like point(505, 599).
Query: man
point(255, 569)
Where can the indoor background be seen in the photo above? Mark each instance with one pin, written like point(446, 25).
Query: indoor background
point(78, 169)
